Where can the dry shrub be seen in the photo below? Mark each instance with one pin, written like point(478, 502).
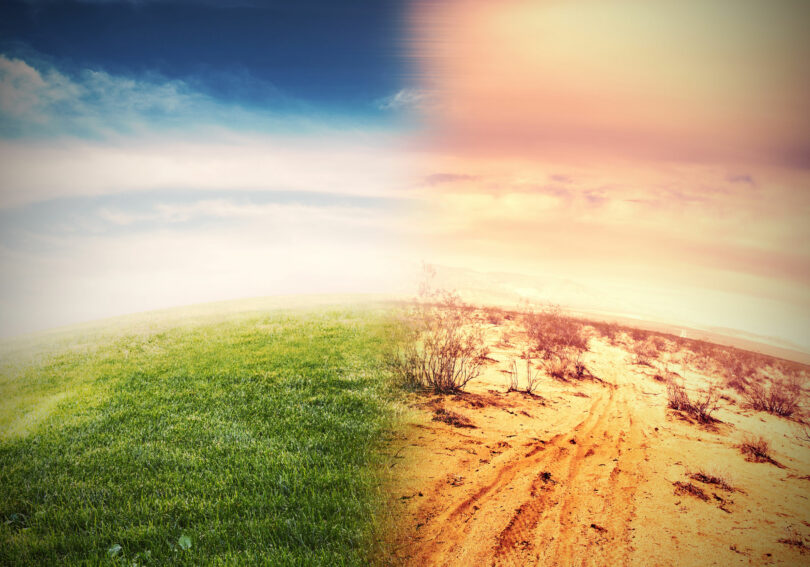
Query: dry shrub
point(639, 335)
point(550, 331)
point(532, 376)
point(513, 378)
point(646, 351)
point(440, 345)
point(494, 315)
point(715, 479)
point(794, 537)
point(559, 340)
point(690, 489)
point(739, 368)
point(757, 450)
point(780, 397)
point(452, 418)
point(610, 331)
point(700, 408)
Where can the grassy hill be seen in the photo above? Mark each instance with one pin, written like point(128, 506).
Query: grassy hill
point(239, 434)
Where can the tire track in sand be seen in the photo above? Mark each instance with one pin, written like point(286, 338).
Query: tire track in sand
point(486, 524)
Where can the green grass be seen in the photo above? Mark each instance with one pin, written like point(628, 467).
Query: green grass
point(254, 441)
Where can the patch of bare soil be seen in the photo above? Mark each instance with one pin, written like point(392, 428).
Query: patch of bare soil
point(583, 474)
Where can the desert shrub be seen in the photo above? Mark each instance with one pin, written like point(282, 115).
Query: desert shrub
point(494, 315)
point(780, 396)
point(756, 449)
point(610, 331)
point(532, 376)
point(794, 537)
point(513, 378)
point(551, 331)
point(452, 418)
point(645, 352)
point(690, 489)
point(739, 368)
point(701, 407)
point(677, 398)
point(440, 345)
point(639, 335)
point(559, 340)
point(712, 478)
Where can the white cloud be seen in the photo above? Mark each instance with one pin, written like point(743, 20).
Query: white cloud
point(112, 211)
point(351, 163)
point(406, 99)
point(45, 101)
point(28, 95)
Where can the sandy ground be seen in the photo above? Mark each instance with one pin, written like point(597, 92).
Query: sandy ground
point(584, 473)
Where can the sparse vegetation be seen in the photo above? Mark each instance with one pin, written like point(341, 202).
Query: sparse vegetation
point(794, 538)
point(494, 315)
point(712, 478)
point(738, 370)
point(691, 490)
point(532, 376)
point(647, 350)
point(441, 345)
point(559, 340)
point(701, 407)
point(757, 450)
point(780, 396)
point(452, 418)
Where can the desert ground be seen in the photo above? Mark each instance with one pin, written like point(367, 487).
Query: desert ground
point(597, 468)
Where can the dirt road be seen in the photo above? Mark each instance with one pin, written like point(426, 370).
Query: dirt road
point(580, 476)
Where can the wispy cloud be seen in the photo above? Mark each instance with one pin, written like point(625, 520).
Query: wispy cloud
point(44, 101)
point(123, 193)
point(406, 99)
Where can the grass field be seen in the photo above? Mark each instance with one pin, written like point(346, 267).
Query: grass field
point(245, 441)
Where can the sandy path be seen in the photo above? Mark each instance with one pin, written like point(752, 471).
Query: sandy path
point(582, 476)
point(557, 501)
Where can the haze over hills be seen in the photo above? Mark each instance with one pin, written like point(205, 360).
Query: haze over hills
point(506, 289)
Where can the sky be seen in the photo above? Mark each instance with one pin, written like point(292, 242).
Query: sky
point(658, 151)
point(157, 153)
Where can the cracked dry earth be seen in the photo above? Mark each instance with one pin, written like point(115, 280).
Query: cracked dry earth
point(584, 473)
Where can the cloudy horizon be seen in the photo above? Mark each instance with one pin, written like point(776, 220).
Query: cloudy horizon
point(160, 153)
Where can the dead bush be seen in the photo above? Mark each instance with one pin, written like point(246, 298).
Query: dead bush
point(691, 490)
point(739, 367)
point(559, 340)
point(701, 407)
point(714, 479)
point(550, 331)
point(780, 396)
point(646, 351)
point(532, 376)
point(452, 418)
point(794, 538)
point(610, 331)
point(439, 346)
point(757, 450)
point(513, 378)
point(494, 315)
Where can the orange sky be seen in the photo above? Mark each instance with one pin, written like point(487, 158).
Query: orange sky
point(661, 149)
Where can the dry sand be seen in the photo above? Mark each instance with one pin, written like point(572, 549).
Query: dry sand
point(584, 473)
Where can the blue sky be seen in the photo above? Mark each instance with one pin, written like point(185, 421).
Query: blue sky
point(336, 56)
point(156, 153)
